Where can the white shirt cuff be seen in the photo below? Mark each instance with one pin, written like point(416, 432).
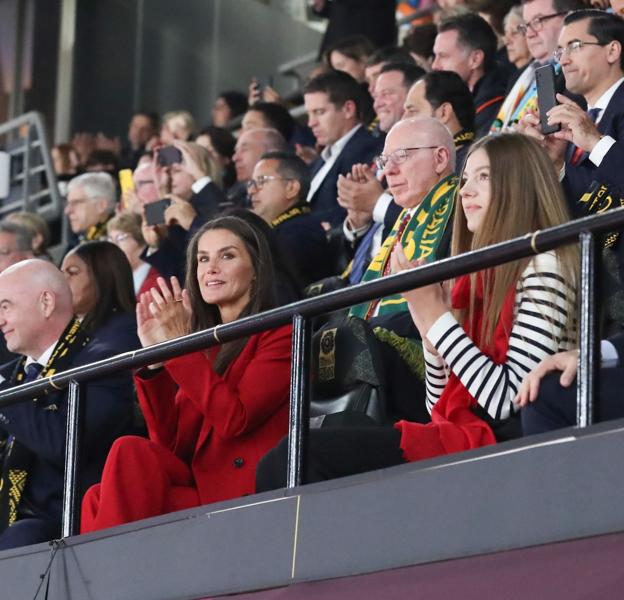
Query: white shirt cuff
point(353, 234)
point(600, 149)
point(200, 184)
point(381, 206)
point(608, 355)
point(440, 327)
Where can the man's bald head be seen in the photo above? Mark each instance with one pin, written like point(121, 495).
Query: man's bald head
point(35, 306)
point(429, 152)
point(251, 145)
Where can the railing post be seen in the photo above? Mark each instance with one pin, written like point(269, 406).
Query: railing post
point(589, 357)
point(299, 401)
point(71, 497)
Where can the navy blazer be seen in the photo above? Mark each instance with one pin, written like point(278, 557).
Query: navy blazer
point(40, 427)
point(361, 148)
point(304, 244)
point(118, 332)
point(578, 178)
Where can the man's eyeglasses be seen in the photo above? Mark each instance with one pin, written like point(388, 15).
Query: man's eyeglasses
point(258, 182)
point(398, 156)
point(537, 24)
point(573, 48)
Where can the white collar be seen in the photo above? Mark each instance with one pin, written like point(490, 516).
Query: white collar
point(604, 100)
point(44, 358)
point(336, 148)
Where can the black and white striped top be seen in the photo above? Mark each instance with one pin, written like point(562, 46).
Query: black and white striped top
point(540, 315)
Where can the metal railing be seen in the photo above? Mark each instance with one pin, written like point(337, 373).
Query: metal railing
point(33, 181)
point(300, 315)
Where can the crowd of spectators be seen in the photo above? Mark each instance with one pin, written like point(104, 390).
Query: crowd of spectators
point(408, 154)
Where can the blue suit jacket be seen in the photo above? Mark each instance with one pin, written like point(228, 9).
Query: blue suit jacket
point(579, 177)
point(361, 148)
point(40, 427)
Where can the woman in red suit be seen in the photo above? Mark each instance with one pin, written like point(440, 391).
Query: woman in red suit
point(211, 415)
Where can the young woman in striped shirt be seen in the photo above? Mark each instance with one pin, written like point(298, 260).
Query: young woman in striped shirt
point(480, 340)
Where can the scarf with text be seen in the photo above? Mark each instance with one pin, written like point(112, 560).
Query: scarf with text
point(16, 458)
point(420, 237)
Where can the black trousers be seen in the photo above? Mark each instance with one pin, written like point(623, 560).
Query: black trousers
point(28, 531)
point(555, 406)
point(334, 452)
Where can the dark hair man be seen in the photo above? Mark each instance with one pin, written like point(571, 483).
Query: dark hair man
point(467, 45)
point(278, 190)
point(334, 103)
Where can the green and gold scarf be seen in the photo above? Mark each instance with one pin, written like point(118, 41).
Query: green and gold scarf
point(420, 238)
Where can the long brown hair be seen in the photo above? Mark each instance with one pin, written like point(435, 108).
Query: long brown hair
point(262, 294)
point(525, 195)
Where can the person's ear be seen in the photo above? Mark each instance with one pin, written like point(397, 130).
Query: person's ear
point(47, 302)
point(475, 59)
point(441, 158)
point(349, 110)
point(443, 113)
point(293, 187)
point(614, 52)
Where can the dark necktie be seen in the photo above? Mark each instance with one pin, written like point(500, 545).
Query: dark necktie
point(578, 154)
point(31, 372)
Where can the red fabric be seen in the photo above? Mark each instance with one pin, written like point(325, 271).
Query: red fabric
point(454, 427)
point(214, 430)
point(149, 282)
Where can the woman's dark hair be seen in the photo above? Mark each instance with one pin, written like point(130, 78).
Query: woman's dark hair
point(237, 101)
point(112, 276)
point(263, 290)
point(222, 140)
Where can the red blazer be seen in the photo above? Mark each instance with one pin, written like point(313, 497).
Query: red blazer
point(149, 282)
point(221, 425)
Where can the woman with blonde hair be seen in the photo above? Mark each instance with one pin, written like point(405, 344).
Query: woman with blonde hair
point(482, 341)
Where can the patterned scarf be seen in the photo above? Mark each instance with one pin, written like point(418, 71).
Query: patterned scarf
point(420, 237)
point(454, 427)
point(16, 458)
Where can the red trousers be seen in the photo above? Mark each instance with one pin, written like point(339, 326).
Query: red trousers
point(141, 479)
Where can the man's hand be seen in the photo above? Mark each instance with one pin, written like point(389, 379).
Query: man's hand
point(190, 162)
point(306, 153)
point(576, 125)
point(357, 219)
point(359, 190)
point(567, 362)
point(555, 147)
point(180, 212)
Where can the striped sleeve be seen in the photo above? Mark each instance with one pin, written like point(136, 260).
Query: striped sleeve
point(541, 313)
point(436, 377)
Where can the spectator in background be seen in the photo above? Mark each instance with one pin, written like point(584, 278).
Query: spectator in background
point(228, 106)
point(90, 204)
point(380, 58)
point(220, 143)
point(142, 129)
point(16, 244)
point(194, 199)
point(124, 230)
point(177, 125)
point(278, 191)
point(38, 229)
point(542, 23)
point(618, 7)
point(102, 161)
point(515, 42)
point(419, 43)
point(350, 55)
point(268, 115)
point(39, 317)
point(65, 161)
point(250, 146)
point(209, 420)
point(100, 279)
point(334, 104)
point(374, 19)
point(467, 45)
point(444, 96)
point(145, 186)
point(360, 192)
point(494, 11)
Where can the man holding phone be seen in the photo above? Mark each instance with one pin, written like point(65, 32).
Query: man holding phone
point(590, 143)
